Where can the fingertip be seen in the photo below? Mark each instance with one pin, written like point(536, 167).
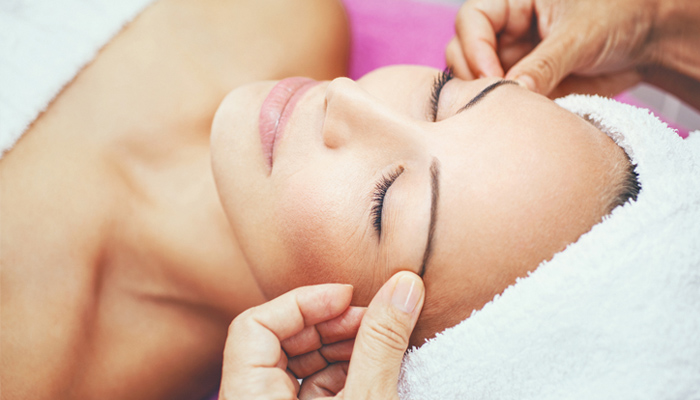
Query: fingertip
point(455, 61)
point(348, 288)
point(489, 67)
point(527, 82)
point(407, 293)
point(384, 336)
point(322, 302)
point(404, 292)
point(478, 37)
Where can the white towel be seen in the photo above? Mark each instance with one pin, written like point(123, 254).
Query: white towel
point(615, 315)
point(43, 45)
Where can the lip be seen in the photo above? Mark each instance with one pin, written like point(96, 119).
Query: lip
point(276, 110)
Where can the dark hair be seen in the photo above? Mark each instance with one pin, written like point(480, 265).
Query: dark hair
point(629, 187)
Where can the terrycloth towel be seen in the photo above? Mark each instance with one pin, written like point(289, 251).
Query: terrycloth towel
point(615, 315)
point(43, 45)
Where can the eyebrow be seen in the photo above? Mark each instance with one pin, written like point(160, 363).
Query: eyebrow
point(435, 196)
point(488, 89)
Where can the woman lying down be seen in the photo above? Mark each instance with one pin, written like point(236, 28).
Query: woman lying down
point(467, 184)
point(123, 254)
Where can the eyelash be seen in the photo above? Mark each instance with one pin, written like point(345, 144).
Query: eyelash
point(380, 190)
point(439, 82)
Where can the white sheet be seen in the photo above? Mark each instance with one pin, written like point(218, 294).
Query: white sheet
point(43, 45)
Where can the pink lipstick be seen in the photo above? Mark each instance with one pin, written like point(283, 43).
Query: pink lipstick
point(276, 111)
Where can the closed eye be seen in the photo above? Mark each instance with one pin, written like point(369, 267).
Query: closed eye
point(439, 82)
point(378, 196)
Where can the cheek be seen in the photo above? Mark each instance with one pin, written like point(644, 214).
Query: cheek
point(304, 230)
point(322, 240)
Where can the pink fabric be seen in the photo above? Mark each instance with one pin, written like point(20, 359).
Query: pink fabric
point(388, 32)
point(627, 99)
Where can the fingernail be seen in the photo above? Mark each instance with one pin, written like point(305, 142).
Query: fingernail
point(526, 81)
point(406, 294)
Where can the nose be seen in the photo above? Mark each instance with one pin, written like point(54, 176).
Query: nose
point(355, 117)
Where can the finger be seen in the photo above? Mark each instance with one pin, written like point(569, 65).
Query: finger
point(259, 330)
point(312, 362)
point(514, 52)
point(307, 364)
point(342, 327)
point(455, 60)
point(328, 382)
point(554, 58)
point(519, 23)
point(303, 342)
point(288, 314)
point(383, 338)
point(477, 24)
point(340, 351)
point(294, 380)
point(273, 384)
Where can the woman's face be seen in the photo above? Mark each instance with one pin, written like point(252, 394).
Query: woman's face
point(363, 183)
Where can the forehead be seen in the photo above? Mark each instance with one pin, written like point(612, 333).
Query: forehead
point(521, 178)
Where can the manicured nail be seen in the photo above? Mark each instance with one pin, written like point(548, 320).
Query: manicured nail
point(406, 294)
point(527, 82)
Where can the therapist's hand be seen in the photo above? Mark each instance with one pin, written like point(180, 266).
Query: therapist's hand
point(309, 333)
point(607, 45)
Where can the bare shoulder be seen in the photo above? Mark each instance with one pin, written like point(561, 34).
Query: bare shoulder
point(45, 325)
point(47, 276)
point(256, 39)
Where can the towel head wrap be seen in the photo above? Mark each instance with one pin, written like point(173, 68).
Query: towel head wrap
point(616, 315)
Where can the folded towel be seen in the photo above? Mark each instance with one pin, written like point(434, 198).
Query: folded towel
point(615, 315)
point(43, 45)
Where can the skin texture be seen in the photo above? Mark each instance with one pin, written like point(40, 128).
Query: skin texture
point(117, 261)
point(557, 47)
point(299, 333)
point(520, 178)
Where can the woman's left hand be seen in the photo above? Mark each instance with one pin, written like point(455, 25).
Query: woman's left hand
point(310, 333)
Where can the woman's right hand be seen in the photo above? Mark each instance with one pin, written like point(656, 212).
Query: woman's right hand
point(608, 45)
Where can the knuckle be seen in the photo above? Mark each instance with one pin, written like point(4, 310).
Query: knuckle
point(545, 66)
point(464, 15)
point(454, 48)
point(450, 56)
point(460, 22)
point(384, 335)
point(241, 322)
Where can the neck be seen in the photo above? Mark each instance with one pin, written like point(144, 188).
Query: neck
point(174, 241)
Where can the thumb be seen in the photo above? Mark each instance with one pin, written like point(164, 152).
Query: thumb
point(383, 338)
point(551, 61)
